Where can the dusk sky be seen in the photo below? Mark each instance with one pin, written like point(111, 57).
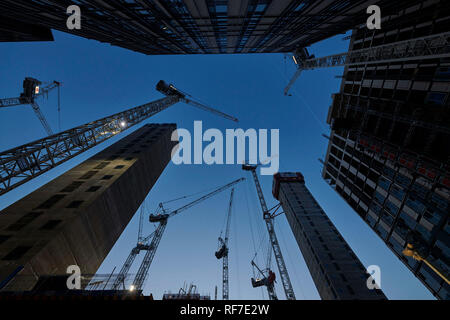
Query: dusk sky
point(99, 80)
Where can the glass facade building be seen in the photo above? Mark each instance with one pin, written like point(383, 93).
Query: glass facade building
point(200, 26)
point(389, 148)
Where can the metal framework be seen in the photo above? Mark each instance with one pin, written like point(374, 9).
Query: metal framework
point(268, 218)
point(224, 247)
point(434, 46)
point(193, 27)
point(30, 98)
point(23, 163)
point(156, 236)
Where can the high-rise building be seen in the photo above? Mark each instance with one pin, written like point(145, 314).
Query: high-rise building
point(76, 218)
point(335, 269)
point(389, 148)
point(13, 31)
point(201, 26)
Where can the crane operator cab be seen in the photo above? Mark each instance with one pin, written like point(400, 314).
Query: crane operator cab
point(267, 281)
point(158, 217)
point(300, 55)
point(221, 252)
point(168, 89)
point(30, 89)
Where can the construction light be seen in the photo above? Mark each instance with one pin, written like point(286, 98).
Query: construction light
point(132, 288)
point(123, 124)
point(295, 60)
point(36, 90)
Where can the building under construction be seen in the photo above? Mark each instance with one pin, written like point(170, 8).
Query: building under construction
point(191, 27)
point(76, 218)
point(336, 270)
point(389, 148)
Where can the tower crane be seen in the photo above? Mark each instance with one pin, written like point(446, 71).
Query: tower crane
point(222, 253)
point(268, 218)
point(170, 90)
point(144, 244)
point(433, 46)
point(24, 163)
point(31, 90)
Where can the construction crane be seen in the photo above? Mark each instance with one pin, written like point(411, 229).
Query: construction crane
point(24, 163)
point(170, 90)
point(267, 280)
point(222, 253)
point(434, 46)
point(152, 246)
point(416, 248)
point(268, 218)
point(31, 90)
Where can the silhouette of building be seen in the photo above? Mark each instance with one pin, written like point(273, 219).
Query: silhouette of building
point(389, 148)
point(201, 26)
point(335, 269)
point(76, 218)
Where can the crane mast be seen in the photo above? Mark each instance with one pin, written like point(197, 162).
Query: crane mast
point(435, 46)
point(288, 290)
point(26, 162)
point(224, 250)
point(156, 236)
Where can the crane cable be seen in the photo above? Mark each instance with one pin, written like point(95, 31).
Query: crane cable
point(291, 262)
point(236, 254)
point(59, 108)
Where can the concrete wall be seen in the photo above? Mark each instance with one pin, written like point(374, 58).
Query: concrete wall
point(77, 217)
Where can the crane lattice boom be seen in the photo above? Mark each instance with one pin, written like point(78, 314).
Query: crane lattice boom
point(433, 46)
point(224, 250)
point(23, 163)
point(289, 291)
point(156, 236)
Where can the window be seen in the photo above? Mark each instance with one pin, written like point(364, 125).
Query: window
point(436, 98)
point(88, 175)
point(101, 165)
point(379, 197)
point(71, 187)
point(397, 192)
point(50, 202)
point(391, 208)
point(3, 238)
point(23, 221)
point(119, 167)
point(75, 204)
point(51, 224)
point(93, 189)
point(384, 183)
point(107, 177)
point(415, 204)
point(17, 253)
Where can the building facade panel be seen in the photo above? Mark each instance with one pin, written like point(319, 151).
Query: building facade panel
point(389, 148)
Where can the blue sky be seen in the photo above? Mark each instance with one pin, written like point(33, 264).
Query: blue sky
point(99, 80)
